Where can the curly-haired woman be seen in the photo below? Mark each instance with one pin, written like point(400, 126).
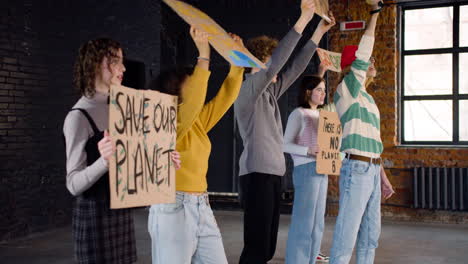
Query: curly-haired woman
point(100, 235)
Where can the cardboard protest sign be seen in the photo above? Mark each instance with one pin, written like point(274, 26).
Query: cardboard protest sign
point(329, 141)
point(218, 38)
point(321, 9)
point(331, 60)
point(142, 123)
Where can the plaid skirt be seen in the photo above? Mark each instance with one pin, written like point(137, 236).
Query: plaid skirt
point(102, 235)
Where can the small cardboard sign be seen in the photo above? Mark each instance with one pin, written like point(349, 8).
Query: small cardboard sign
point(218, 38)
point(329, 141)
point(142, 124)
point(331, 60)
point(321, 9)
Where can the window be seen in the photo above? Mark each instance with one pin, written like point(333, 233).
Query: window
point(434, 73)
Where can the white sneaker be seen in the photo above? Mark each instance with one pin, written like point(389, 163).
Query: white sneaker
point(323, 258)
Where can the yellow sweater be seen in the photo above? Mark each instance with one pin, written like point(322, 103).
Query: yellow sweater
point(195, 119)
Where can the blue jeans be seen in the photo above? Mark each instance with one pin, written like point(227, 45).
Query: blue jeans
point(308, 216)
point(359, 213)
point(185, 232)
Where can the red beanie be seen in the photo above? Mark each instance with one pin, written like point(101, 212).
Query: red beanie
point(348, 55)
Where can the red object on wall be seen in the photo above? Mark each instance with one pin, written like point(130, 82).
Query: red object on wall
point(352, 25)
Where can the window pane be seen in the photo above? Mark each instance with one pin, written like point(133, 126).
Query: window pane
point(428, 120)
point(428, 74)
point(464, 73)
point(464, 120)
point(464, 26)
point(429, 28)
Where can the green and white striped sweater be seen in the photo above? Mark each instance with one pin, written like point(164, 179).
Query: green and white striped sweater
point(359, 115)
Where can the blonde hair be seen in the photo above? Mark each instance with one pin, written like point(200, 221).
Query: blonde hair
point(347, 69)
point(369, 81)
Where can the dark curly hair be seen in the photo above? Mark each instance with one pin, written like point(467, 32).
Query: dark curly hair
point(170, 81)
point(308, 83)
point(90, 56)
point(262, 46)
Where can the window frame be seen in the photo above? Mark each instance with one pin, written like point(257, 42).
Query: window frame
point(455, 50)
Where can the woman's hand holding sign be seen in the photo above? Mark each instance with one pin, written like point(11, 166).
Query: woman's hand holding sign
point(106, 147)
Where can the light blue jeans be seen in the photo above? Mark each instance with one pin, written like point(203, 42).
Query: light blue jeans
point(185, 232)
point(308, 216)
point(359, 213)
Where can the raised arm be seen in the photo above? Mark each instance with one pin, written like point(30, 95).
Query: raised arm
point(356, 78)
point(194, 89)
point(280, 55)
point(215, 109)
point(330, 106)
point(370, 30)
point(300, 62)
point(307, 13)
point(201, 41)
point(364, 52)
point(322, 70)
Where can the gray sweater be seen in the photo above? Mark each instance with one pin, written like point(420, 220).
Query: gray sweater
point(257, 111)
point(77, 131)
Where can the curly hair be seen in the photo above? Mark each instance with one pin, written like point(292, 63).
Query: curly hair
point(90, 56)
point(261, 47)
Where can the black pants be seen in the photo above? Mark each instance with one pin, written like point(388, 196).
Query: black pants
point(260, 196)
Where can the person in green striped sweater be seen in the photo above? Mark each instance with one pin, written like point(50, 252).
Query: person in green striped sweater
point(362, 178)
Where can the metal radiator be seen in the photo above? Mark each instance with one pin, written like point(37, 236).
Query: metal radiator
point(441, 188)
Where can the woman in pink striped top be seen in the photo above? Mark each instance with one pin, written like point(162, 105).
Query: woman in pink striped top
point(310, 188)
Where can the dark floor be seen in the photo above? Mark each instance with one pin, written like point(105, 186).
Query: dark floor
point(399, 243)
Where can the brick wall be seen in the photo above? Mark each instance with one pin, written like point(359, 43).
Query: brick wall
point(398, 160)
point(38, 44)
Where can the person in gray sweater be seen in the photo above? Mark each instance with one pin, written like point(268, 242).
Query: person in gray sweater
point(258, 117)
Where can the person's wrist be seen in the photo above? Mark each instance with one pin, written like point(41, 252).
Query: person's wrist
point(376, 8)
point(305, 18)
point(204, 54)
point(105, 162)
point(321, 31)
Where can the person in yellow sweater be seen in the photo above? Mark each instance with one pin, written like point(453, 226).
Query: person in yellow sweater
point(186, 231)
